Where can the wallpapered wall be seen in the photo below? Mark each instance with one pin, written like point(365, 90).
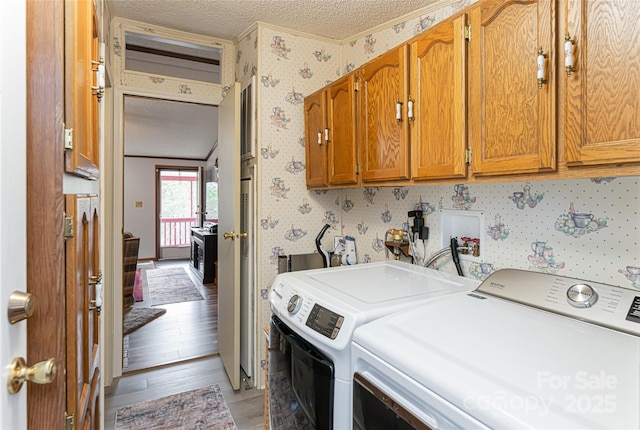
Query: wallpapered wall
point(582, 228)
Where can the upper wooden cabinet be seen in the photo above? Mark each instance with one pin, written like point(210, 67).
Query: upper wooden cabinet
point(438, 82)
point(602, 92)
point(81, 106)
point(383, 124)
point(341, 121)
point(512, 118)
point(330, 130)
point(315, 123)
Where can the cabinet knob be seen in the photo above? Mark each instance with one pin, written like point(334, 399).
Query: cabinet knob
point(568, 54)
point(399, 111)
point(542, 68)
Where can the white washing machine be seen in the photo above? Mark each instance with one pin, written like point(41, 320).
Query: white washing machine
point(525, 350)
point(314, 314)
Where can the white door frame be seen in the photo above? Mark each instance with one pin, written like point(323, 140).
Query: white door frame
point(13, 199)
point(113, 198)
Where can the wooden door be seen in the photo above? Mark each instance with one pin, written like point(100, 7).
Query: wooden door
point(83, 281)
point(315, 123)
point(384, 137)
point(602, 94)
point(81, 106)
point(46, 404)
point(341, 121)
point(438, 86)
point(229, 234)
point(512, 120)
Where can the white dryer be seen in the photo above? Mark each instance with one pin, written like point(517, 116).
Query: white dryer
point(525, 350)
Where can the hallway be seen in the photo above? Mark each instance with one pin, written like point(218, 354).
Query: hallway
point(186, 331)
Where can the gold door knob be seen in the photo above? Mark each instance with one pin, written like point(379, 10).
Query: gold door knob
point(43, 372)
point(243, 235)
point(231, 235)
point(20, 306)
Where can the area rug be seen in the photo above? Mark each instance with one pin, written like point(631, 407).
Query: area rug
point(137, 317)
point(203, 408)
point(138, 296)
point(171, 285)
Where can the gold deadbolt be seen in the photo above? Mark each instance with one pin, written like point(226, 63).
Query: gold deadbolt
point(231, 235)
point(20, 306)
point(43, 372)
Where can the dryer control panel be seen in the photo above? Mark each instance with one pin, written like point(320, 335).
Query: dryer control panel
point(602, 304)
point(324, 321)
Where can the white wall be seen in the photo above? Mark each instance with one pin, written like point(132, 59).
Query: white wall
point(140, 185)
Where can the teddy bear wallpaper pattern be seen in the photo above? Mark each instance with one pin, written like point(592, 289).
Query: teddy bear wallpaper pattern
point(291, 68)
point(358, 51)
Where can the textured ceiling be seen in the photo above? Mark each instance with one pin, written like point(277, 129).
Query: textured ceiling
point(169, 129)
point(226, 19)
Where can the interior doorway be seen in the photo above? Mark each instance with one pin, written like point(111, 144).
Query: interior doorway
point(168, 152)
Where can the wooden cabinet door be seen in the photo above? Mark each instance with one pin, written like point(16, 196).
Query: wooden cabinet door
point(81, 106)
point(315, 146)
point(438, 83)
point(341, 120)
point(82, 326)
point(602, 98)
point(512, 121)
point(384, 139)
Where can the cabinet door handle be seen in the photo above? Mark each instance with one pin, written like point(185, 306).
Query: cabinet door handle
point(319, 137)
point(399, 111)
point(542, 69)
point(410, 115)
point(568, 54)
point(326, 134)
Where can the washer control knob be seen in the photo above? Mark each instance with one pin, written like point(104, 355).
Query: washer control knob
point(294, 304)
point(582, 296)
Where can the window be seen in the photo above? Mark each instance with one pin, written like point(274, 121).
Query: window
point(174, 58)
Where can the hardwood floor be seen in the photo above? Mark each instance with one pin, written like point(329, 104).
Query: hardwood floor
point(188, 330)
point(246, 406)
point(178, 352)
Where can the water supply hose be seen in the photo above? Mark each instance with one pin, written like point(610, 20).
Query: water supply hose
point(324, 254)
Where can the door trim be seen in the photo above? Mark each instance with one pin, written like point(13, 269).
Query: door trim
point(114, 198)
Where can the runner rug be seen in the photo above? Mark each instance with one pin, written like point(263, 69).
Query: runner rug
point(171, 285)
point(203, 408)
point(137, 317)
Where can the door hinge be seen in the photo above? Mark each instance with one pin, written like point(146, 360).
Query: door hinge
point(467, 156)
point(467, 32)
point(70, 422)
point(68, 226)
point(68, 138)
point(357, 168)
point(356, 86)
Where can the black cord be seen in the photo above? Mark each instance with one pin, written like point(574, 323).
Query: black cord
point(455, 256)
